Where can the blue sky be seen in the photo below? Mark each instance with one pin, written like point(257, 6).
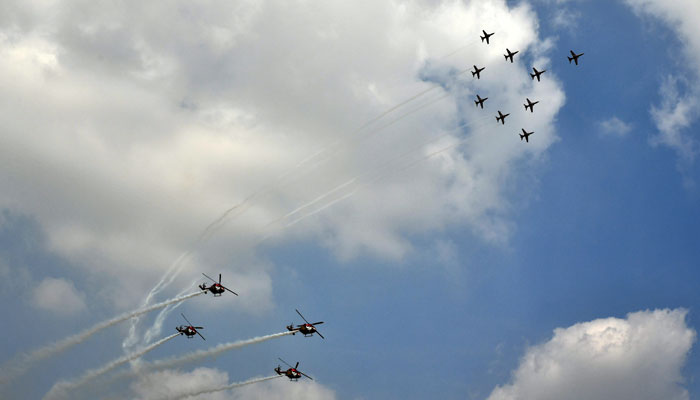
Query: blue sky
point(436, 280)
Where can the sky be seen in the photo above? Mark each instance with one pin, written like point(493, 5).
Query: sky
point(328, 157)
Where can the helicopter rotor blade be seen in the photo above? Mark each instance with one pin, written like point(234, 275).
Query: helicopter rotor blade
point(305, 375)
point(209, 277)
point(302, 317)
point(198, 327)
point(200, 335)
point(229, 290)
point(319, 334)
point(317, 323)
point(285, 362)
point(296, 366)
point(183, 316)
point(219, 279)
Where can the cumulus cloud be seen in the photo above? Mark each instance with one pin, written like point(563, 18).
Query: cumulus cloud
point(143, 122)
point(615, 127)
point(680, 93)
point(636, 358)
point(59, 296)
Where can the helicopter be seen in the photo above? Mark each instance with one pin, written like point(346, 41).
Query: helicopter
point(292, 372)
point(189, 330)
point(216, 288)
point(307, 329)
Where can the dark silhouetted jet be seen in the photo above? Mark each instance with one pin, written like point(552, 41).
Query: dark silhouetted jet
point(501, 117)
point(537, 73)
point(480, 101)
point(574, 57)
point(510, 55)
point(477, 71)
point(486, 37)
point(525, 135)
point(530, 105)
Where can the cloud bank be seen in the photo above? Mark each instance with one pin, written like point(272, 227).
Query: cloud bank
point(636, 358)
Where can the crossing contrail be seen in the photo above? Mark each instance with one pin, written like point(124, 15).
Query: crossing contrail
point(15, 368)
point(222, 388)
point(61, 389)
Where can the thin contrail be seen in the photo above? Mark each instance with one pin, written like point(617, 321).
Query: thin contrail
point(222, 388)
point(13, 369)
point(61, 389)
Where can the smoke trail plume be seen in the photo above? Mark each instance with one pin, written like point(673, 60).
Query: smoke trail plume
point(222, 388)
point(15, 368)
point(200, 354)
point(60, 390)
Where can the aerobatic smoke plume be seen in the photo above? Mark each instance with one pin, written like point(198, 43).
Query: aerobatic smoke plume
point(200, 354)
point(15, 368)
point(222, 388)
point(60, 390)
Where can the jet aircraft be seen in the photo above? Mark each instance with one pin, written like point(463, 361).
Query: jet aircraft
point(530, 105)
point(537, 73)
point(216, 288)
point(307, 329)
point(525, 135)
point(477, 72)
point(189, 330)
point(574, 57)
point(486, 36)
point(480, 101)
point(501, 117)
point(292, 372)
point(510, 55)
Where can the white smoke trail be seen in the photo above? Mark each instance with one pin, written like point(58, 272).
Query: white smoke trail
point(60, 390)
point(198, 355)
point(15, 368)
point(222, 388)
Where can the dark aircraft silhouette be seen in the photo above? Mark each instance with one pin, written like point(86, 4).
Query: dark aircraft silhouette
point(477, 72)
point(189, 330)
point(510, 55)
point(530, 104)
point(537, 73)
point(574, 57)
point(525, 135)
point(216, 288)
point(486, 36)
point(480, 102)
point(501, 117)
point(292, 372)
point(307, 329)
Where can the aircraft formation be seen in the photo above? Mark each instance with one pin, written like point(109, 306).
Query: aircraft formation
point(537, 74)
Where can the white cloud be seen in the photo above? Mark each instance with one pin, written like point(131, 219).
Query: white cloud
point(142, 122)
point(637, 358)
point(615, 127)
point(59, 296)
point(678, 108)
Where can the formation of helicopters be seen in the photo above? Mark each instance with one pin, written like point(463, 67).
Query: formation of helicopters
point(479, 102)
point(217, 289)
